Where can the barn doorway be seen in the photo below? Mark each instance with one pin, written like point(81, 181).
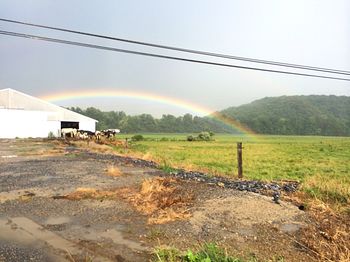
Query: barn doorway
point(67, 124)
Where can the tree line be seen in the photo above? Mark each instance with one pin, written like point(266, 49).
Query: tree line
point(146, 123)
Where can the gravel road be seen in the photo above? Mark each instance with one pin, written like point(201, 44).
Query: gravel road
point(38, 224)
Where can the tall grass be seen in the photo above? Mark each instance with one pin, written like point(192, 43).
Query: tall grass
point(322, 164)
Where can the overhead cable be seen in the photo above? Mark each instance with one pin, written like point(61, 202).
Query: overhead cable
point(197, 52)
point(82, 44)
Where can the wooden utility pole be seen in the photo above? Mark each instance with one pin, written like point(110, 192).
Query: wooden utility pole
point(239, 160)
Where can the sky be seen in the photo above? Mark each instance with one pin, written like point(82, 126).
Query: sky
point(313, 32)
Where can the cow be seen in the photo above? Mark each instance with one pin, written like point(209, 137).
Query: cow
point(69, 132)
point(109, 133)
point(98, 135)
point(85, 134)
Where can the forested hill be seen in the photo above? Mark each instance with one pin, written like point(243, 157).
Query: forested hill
point(285, 115)
point(296, 115)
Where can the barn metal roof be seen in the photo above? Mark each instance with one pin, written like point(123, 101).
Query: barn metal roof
point(13, 99)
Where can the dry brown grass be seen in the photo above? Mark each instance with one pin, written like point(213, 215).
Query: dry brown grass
point(90, 193)
point(114, 171)
point(328, 236)
point(114, 142)
point(52, 152)
point(56, 149)
point(148, 157)
point(162, 200)
point(92, 146)
point(330, 189)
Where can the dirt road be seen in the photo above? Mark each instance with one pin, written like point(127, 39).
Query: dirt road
point(42, 219)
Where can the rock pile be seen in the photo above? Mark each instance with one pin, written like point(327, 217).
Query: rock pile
point(242, 185)
point(254, 186)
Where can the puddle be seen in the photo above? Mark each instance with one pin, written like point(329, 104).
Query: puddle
point(26, 233)
point(57, 220)
point(9, 156)
point(57, 223)
point(16, 244)
point(117, 237)
point(27, 193)
point(23, 194)
point(28, 226)
point(113, 234)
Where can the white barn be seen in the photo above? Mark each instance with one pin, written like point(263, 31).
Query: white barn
point(26, 116)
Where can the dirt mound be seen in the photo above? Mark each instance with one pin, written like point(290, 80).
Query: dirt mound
point(162, 199)
point(245, 211)
point(329, 236)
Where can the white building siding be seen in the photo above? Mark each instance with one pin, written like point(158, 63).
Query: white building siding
point(23, 124)
point(87, 125)
point(24, 116)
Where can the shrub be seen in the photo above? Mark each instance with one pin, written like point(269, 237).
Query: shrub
point(137, 138)
point(190, 138)
point(50, 135)
point(204, 136)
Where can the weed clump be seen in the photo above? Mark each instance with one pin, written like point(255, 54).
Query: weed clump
point(208, 252)
point(114, 171)
point(162, 199)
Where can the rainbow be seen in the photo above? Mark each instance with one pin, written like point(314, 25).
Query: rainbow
point(81, 94)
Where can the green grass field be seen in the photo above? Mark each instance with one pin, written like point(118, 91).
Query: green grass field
point(322, 164)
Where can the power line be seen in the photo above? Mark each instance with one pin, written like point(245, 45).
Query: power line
point(81, 44)
point(205, 53)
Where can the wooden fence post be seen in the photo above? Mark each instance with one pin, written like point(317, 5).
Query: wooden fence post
point(239, 160)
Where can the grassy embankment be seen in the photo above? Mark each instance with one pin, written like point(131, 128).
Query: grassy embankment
point(321, 164)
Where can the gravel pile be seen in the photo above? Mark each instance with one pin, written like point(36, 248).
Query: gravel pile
point(241, 185)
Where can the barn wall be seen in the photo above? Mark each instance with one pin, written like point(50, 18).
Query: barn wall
point(88, 125)
point(24, 124)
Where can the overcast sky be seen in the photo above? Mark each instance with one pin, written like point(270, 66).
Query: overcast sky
point(309, 32)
